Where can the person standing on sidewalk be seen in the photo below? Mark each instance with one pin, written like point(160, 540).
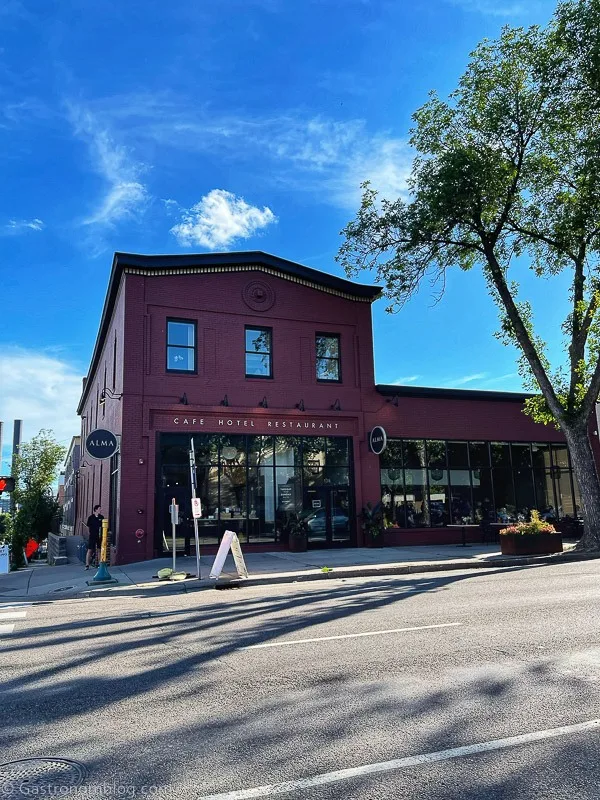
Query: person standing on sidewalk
point(94, 524)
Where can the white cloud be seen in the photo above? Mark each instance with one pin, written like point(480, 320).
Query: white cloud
point(328, 158)
point(40, 389)
point(478, 376)
point(497, 9)
point(405, 380)
point(16, 226)
point(125, 194)
point(219, 219)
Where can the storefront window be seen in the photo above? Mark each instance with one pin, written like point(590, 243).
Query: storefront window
point(436, 453)
point(260, 450)
point(479, 455)
point(524, 476)
point(521, 455)
point(414, 453)
point(540, 454)
point(392, 496)
point(417, 511)
point(504, 495)
point(458, 454)
point(461, 503)
point(254, 484)
point(544, 492)
point(483, 495)
point(500, 454)
point(439, 498)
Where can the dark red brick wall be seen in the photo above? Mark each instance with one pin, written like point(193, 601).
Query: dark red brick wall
point(216, 303)
point(94, 476)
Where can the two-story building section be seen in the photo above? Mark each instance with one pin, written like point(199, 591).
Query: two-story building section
point(266, 367)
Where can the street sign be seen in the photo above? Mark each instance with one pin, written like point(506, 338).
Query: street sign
point(196, 508)
point(174, 509)
point(229, 541)
point(101, 444)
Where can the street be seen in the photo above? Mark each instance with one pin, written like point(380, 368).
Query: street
point(232, 693)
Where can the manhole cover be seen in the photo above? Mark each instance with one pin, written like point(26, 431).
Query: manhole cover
point(37, 776)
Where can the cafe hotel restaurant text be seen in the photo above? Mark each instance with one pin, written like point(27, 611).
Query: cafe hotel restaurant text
point(266, 368)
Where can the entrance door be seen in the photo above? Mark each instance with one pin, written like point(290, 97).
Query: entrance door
point(329, 523)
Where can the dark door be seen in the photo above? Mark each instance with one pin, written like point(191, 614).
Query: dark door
point(329, 522)
point(175, 480)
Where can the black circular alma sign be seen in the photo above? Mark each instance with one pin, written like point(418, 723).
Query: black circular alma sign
point(377, 440)
point(101, 443)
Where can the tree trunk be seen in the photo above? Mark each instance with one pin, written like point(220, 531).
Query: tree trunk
point(584, 467)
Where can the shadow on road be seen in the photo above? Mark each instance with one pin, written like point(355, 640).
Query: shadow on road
point(169, 698)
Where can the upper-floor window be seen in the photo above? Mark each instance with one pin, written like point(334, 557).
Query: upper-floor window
point(259, 353)
point(181, 345)
point(328, 357)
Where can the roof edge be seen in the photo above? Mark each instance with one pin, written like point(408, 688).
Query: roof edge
point(391, 390)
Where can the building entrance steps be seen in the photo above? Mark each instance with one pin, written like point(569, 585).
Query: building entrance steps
point(46, 582)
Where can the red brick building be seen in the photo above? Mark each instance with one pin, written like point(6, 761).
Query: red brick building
point(268, 366)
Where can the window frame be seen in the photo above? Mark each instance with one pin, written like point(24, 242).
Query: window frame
point(337, 336)
point(193, 347)
point(262, 329)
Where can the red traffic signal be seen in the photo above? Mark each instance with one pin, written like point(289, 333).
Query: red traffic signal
point(7, 484)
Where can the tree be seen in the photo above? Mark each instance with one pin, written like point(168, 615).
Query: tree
point(509, 169)
point(35, 470)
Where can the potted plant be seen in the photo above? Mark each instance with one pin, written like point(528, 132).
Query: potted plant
point(372, 524)
point(536, 537)
point(297, 534)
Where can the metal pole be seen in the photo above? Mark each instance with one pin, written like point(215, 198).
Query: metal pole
point(173, 532)
point(17, 436)
point(193, 485)
point(103, 575)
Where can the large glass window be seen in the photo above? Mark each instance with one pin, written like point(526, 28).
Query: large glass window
point(434, 482)
point(255, 486)
point(327, 346)
point(259, 353)
point(181, 345)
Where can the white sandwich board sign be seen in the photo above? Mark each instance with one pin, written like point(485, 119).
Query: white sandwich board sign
point(231, 542)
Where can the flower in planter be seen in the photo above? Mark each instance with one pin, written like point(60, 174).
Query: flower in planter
point(536, 525)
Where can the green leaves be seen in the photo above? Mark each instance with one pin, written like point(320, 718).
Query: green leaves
point(508, 166)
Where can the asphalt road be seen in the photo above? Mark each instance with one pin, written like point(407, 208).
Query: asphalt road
point(180, 695)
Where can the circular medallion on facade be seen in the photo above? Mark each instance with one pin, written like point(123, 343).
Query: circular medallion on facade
point(258, 296)
point(101, 443)
point(377, 440)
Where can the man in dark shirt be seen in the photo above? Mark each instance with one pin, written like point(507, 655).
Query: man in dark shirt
point(94, 524)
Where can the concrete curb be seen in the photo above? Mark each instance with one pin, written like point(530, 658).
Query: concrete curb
point(361, 571)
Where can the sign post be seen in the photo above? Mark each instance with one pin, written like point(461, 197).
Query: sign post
point(196, 504)
point(103, 575)
point(102, 444)
point(174, 523)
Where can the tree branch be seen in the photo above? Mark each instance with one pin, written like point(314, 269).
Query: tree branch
point(521, 333)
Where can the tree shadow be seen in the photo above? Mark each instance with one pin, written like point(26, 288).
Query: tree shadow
point(193, 701)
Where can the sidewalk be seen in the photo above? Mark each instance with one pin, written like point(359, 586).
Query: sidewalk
point(40, 581)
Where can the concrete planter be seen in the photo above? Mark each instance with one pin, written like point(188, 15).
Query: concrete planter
point(530, 544)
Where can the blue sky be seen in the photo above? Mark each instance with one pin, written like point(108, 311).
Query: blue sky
point(160, 127)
